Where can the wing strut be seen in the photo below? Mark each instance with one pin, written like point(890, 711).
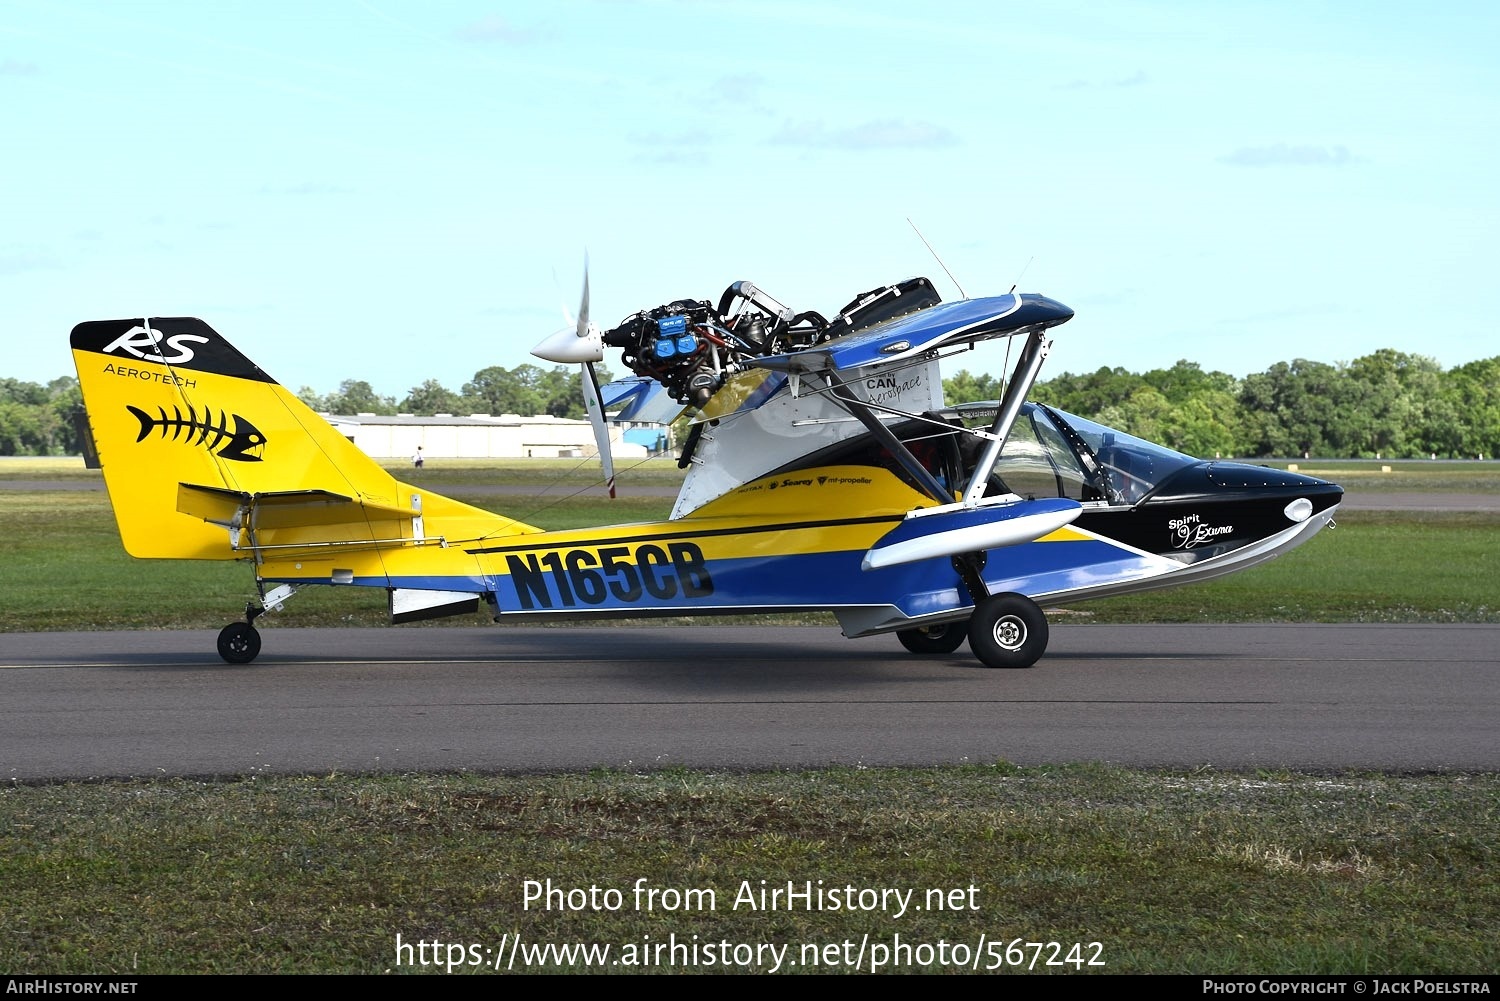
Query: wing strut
point(1027, 367)
point(894, 445)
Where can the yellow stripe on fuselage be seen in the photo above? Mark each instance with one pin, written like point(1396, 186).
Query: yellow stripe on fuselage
point(823, 510)
point(827, 509)
point(1067, 534)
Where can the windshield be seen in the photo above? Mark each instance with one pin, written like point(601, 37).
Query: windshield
point(1051, 453)
point(1132, 466)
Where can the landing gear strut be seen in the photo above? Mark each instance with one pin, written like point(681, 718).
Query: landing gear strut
point(1008, 630)
point(239, 642)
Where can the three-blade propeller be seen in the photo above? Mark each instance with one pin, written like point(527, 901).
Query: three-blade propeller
point(582, 343)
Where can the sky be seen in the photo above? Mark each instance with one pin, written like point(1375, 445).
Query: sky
point(399, 191)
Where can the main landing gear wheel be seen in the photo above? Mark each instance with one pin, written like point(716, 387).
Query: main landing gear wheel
point(239, 642)
point(1008, 630)
point(942, 638)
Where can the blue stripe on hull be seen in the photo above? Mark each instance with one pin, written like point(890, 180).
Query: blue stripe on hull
point(809, 580)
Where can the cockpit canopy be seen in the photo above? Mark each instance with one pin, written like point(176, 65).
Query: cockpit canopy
point(1049, 453)
point(1054, 452)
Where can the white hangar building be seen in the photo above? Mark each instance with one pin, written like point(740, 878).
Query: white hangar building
point(478, 436)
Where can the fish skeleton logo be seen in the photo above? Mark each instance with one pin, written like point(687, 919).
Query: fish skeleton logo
point(217, 437)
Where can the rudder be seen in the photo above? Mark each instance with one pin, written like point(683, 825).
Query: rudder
point(172, 403)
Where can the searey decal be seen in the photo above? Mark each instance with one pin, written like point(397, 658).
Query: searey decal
point(236, 444)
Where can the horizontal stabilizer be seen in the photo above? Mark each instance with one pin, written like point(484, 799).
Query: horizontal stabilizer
point(282, 508)
point(214, 505)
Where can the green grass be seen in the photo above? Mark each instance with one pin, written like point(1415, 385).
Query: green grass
point(567, 474)
point(1171, 872)
point(1405, 475)
point(1375, 566)
point(64, 568)
point(46, 467)
point(553, 475)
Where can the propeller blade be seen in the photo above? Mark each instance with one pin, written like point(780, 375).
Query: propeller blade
point(580, 342)
point(583, 343)
point(583, 306)
point(593, 401)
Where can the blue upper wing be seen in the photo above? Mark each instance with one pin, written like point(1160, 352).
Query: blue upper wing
point(964, 322)
point(640, 399)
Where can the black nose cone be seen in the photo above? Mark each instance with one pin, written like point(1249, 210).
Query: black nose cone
point(1222, 481)
point(1243, 476)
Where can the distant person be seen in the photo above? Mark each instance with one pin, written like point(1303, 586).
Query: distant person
point(416, 460)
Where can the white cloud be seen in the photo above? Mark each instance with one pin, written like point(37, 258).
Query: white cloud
point(890, 133)
point(676, 157)
point(493, 28)
point(740, 88)
point(306, 188)
point(688, 147)
point(17, 262)
point(686, 138)
point(1136, 79)
point(1285, 155)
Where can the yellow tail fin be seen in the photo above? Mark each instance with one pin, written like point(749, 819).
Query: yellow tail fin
point(190, 431)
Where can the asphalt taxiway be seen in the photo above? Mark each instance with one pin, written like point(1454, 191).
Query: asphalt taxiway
point(105, 704)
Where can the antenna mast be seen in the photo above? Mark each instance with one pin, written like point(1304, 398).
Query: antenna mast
point(935, 257)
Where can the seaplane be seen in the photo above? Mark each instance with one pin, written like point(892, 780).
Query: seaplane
point(824, 471)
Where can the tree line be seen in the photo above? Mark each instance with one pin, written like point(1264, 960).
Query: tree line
point(527, 390)
point(37, 419)
point(40, 420)
point(1388, 404)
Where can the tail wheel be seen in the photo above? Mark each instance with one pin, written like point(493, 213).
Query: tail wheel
point(239, 643)
point(1008, 630)
point(942, 638)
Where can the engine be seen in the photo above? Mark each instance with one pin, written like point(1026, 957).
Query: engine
point(683, 345)
point(691, 346)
